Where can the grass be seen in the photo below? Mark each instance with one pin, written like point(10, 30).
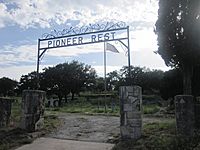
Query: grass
point(12, 136)
point(160, 136)
point(15, 137)
point(51, 122)
point(97, 106)
point(156, 135)
point(150, 109)
point(15, 113)
point(83, 106)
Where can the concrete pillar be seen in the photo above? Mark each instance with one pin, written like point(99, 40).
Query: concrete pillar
point(33, 104)
point(5, 111)
point(130, 112)
point(184, 108)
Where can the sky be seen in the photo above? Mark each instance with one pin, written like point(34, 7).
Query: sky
point(23, 22)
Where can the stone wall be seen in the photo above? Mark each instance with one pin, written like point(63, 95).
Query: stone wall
point(184, 108)
point(197, 114)
point(5, 111)
point(33, 104)
point(130, 112)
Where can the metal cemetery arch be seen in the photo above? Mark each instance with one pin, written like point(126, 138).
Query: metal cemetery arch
point(93, 33)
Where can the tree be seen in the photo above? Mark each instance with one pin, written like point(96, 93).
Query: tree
point(7, 86)
point(99, 85)
point(81, 76)
point(112, 80)
point(67, 77)
point(28, 81)
point(53, 81)
point(149, 80)
point(178, 33)
point(171, 84)
point(136, 75)
point(152, 81)
point(196, 81)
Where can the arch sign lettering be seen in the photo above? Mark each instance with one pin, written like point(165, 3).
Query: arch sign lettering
point(93, 33)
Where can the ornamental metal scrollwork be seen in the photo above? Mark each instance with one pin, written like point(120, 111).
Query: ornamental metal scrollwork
point(84, 29)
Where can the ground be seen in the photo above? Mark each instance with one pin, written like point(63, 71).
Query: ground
point(95, 130)
point(88, 128)
point(58, 144)
point(78, 124)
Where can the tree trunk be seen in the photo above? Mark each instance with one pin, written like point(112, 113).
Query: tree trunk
point(72, 95)
point(187, 79)
point(60, 100)
point(66, 98)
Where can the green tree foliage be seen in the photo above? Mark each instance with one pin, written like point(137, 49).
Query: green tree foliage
point(99, 85)
point(178, 33)
point(149, 80)
point(68, 77)
point(28, 81)
point(112, 81)
point(171, 84)
point(7, 86)
point(152, 80)
point(136, 75)
point(196, 81)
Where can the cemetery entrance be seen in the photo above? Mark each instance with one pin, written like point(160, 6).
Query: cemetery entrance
point(93, 33)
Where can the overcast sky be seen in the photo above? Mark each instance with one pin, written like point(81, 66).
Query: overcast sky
point(22, 22)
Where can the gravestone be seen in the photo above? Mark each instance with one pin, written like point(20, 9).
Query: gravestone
point(52, 102)
point(184, 108)
point(33, 104)
point(5, 111)
point(130, 112)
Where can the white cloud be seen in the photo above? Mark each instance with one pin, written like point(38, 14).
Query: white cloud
point(142, 44)
point(10, 54)
point(31, 13)
point(140, 15)
point(4, 15)
point(100, 69)
point(15, 72)
point(75, 51)
point(143, 40)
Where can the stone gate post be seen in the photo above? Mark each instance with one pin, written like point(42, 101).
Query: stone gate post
point(130, 112)
point(33, 104)
point(197, 114)
point(184, 108)
point(5, 111)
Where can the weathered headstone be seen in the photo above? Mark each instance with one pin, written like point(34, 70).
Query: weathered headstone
point(52, 102)
point(130, 112)
point(33, 104)
point(184, 107)
point(5, 111)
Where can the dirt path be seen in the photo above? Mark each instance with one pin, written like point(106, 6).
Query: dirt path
point(84, 132)
point(103, 129)
point(88, 128)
